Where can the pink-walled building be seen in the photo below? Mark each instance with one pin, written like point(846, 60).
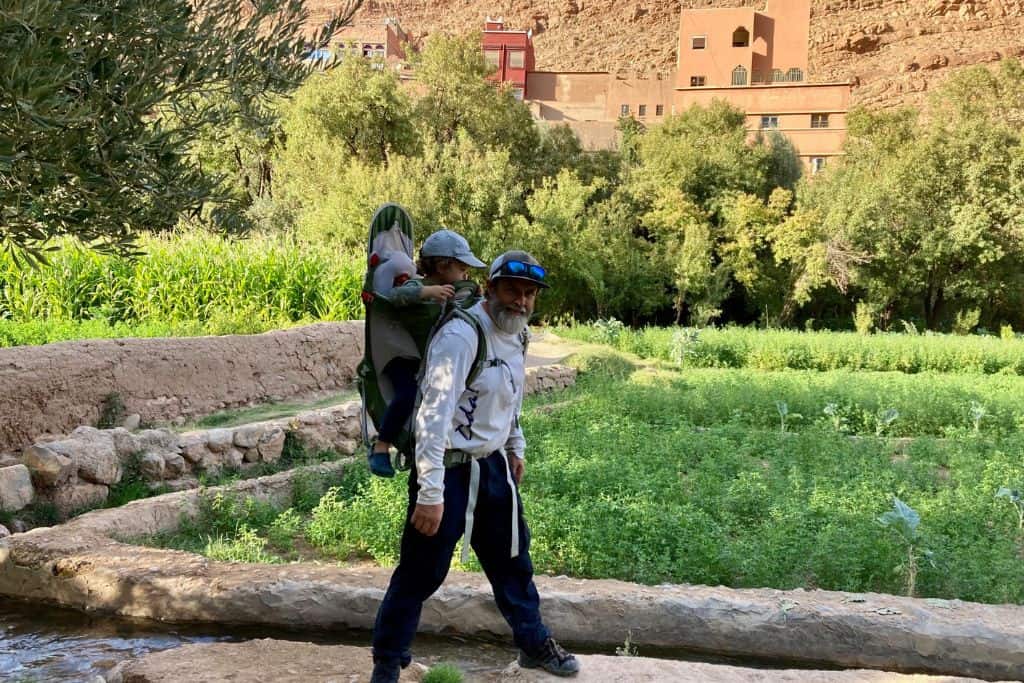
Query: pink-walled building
point(757, 61)
point(754, 60)
point(510, 52)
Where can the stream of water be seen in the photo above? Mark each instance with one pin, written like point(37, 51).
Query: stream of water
point(47, 644)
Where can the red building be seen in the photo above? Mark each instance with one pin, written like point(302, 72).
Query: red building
point(511, 53)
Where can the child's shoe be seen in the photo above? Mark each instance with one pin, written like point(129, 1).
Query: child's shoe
point(380, 463)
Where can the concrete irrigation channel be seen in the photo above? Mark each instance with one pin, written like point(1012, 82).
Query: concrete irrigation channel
point(82, 565)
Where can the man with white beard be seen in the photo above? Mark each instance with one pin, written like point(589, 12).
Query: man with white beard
point(469, 462)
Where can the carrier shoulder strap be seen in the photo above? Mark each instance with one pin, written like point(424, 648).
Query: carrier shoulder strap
point(480, 361)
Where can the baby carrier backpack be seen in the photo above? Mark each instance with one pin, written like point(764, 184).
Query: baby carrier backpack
point(391, 231)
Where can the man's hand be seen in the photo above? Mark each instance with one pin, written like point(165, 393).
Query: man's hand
point(517, 466)
point(426, 519)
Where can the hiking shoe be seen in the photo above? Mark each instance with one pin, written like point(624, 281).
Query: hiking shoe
point(384, 672)
point(552, 658)
point(380, 464)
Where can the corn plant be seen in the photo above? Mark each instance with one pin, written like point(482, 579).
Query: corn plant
point(978, 414)
point(784, 415)
point(905, 521)
point(835, 416)
point(885, 420)
point(683, 344)
point(1014, 496)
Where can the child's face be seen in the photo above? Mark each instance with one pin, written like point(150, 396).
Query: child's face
point(453, 271)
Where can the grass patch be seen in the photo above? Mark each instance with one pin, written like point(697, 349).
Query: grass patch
point(646, 474)
point(443, 673)
point(239, 529)
point(267, 411)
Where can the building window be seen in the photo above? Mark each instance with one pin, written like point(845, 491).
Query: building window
point(697, 81)
point(769, 122)
point(741, 37)
point(794, 75)
point(642, 111)
point(493, 57)
point(516, 59)
point(739, 76)
point(624, 110)
point(368, 51)
point(817, 164)
point(659, 110)
point(698, 42)
point(778, 76)
point(819, 120)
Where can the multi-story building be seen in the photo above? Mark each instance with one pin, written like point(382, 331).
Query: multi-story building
point(754, 60)
point(757, 61)
point(371, 40)
point(510, 52)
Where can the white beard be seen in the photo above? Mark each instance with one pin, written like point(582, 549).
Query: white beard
point(507, 322)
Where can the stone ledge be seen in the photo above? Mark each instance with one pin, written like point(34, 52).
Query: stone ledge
point(297, 662)
point(76, 471)
point(80, 565)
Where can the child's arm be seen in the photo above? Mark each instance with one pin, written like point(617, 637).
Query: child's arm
point(413, 291)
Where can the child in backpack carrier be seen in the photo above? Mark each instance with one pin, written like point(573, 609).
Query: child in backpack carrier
point(445, 258)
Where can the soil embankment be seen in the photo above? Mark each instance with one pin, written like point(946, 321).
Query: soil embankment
point(51, 389)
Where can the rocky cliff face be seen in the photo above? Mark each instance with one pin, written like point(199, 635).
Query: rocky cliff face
point(894, 51)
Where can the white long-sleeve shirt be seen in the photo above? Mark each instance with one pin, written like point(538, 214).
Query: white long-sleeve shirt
point(478, 419)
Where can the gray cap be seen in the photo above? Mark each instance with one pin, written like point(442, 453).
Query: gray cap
point(451, 245)
point(537, 276)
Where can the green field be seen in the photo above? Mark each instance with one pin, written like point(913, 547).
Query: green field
point(756, 349)
point(187, 283)
point(648, 472)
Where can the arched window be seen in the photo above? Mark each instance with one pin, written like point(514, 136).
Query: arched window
point(794, 75)
point(739, 76)
point(741, 37)
point(778, 76)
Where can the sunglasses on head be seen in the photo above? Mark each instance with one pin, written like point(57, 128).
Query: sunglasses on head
point(522, 269)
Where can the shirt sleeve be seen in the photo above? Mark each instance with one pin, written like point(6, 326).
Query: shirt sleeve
point(449, 359)
point(516, 442)
point(406, 294)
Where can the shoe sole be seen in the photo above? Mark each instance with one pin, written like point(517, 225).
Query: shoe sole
point(538, 665)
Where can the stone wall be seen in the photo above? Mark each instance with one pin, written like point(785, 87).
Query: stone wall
point(54, 388)
point(77, 471)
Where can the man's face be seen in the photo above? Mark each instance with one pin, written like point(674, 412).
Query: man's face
point(511, 303)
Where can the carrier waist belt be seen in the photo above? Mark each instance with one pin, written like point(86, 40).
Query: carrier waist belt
point(453, 457)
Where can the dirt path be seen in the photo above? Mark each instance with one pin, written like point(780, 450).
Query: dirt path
point(295, 662)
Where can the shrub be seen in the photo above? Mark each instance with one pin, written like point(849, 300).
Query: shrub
point(244, 546)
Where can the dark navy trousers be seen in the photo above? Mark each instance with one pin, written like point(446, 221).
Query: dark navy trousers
point(424, 561)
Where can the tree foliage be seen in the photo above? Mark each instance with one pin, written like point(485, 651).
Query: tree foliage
point(712, 201)
point(932, 207)
point(101, 101)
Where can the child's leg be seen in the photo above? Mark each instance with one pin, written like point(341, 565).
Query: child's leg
point(402, 374)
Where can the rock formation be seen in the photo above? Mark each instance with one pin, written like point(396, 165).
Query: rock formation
point(894, 51)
